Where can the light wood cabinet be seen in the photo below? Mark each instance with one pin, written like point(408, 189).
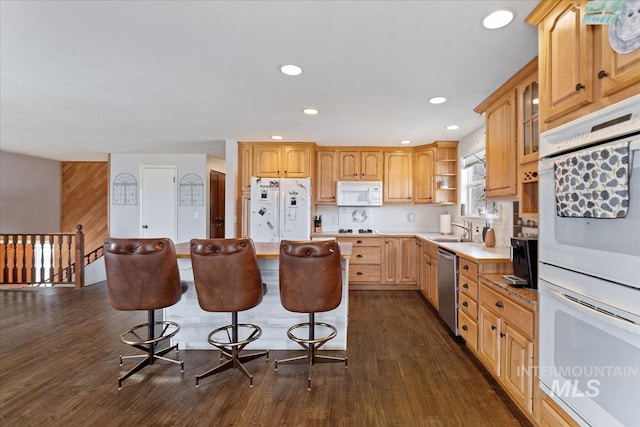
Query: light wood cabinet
point(428, 255)
point(506, 335)
point(245, 166)
point(326, 176)
point(283, 161)
point(398, 177)
point(446, 172)
point(423, 175)
point(528, 145)
point(501, 148)
point(360, 165)
point(554, 416)
point(510, 128)
point(579, 71)
point(398, 260)
point(366, 259)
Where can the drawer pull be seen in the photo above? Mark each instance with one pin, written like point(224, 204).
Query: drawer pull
point(359, 273)
point(493, 328)
point(579, 86)
point(502, 335)
point(499, 304)
point(359, 256)
point(464, 328)
point(465, 304)
point(466, 286)
point(359, 241)
point(465, 267)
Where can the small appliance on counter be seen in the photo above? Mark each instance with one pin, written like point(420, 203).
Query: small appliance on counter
point(524, 256)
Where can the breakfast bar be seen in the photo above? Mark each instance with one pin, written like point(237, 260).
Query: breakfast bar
point(195, 323)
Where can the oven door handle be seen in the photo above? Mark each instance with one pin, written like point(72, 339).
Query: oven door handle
point(607, 317)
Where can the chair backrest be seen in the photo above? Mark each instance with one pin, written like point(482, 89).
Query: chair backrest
point(310, 275)
point(142, 274)
point(226, 274)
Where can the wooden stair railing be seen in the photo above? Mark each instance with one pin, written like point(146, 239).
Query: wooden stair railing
point(50, 258)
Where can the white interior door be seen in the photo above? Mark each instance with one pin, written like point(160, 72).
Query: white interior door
point(158, 202)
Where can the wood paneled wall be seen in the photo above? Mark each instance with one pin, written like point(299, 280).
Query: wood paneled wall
point(84, 200)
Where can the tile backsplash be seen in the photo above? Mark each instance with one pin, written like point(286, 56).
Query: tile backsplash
point(357, 218)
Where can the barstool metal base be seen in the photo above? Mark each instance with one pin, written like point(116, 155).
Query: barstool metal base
point(312, 345)
point(149, 345)
point(231, 349)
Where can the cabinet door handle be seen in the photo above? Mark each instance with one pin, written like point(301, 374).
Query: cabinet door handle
point(466, 286)
point(145, 226)
point(359, 273)
point(602, 74)
point(465, 267)
point(502, 335)
point(465, 304)
point(464, 328)
point(359, 256)
point(579, 86)
point(285, 172)
point(493, 328)
point(499, 304)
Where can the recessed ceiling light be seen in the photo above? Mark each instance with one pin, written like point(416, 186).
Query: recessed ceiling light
point(438, 100)
point(291, 70)
point(453, 127)
point(405, 141)
point(497, 19)
point(276, 137)
point(310, 111)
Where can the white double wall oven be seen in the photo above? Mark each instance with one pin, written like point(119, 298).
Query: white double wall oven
point(589, 272)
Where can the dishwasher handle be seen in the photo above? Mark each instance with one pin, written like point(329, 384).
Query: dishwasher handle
point(446, 254)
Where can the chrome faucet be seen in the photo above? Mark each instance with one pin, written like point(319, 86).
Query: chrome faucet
point(466, 237)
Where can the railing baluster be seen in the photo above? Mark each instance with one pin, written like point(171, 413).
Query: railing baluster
point(33, 258)
point(69, 261)
point(5, 256)
point(14, 265)
point(41, 278)
point(24, 277)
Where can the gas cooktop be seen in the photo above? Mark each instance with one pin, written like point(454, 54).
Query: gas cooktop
point(360, 231)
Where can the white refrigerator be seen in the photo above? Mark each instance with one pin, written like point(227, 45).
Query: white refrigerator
point(280, 209)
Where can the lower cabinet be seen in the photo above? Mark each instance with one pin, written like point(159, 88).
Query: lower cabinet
point(427, 257)
point(554, 416)
point(382, 263)
point(505, 342)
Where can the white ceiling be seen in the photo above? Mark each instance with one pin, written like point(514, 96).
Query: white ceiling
point(80, 79)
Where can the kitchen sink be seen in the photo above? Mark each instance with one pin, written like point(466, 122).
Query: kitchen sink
point(444, 239)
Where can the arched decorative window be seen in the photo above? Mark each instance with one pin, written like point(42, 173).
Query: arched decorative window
point(191, 190)
point(125, 190)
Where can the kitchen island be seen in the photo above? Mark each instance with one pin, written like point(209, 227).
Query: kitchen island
point(196, 324)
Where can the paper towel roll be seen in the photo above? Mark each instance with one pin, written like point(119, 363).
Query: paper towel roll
point(445, 224)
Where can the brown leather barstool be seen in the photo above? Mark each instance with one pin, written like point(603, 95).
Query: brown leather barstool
point(310, 282)
point(228, 279)
point(142, 274)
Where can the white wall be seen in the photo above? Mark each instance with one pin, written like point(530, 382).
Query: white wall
point(124, 220)
point(231, 180)
point(216, 164)
point(29, 194)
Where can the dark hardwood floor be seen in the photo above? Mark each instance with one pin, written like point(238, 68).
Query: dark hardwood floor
point(59, 353)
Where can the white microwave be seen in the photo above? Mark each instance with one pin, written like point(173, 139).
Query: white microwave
point(359, 193)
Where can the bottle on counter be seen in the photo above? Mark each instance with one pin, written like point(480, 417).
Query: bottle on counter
point(477, 236)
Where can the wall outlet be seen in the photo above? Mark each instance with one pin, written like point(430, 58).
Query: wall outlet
point(196, 215)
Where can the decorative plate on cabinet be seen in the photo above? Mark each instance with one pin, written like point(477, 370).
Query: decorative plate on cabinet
point(624, 33)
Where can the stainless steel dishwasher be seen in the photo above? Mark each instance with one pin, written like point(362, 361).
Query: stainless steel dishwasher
point(448, 288)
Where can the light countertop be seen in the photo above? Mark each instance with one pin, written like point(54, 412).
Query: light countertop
point(263, 250)
point(476, 252)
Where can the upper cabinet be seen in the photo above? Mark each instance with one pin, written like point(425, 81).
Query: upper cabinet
point(446, 172)
point(423, 164)
point(272, 160)
point(579, 71)
point(528, 143)
point(326, 176)
point(398, 176)
point(508, 131)
point(362, 165)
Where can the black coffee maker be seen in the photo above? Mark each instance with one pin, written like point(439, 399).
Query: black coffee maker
point(524, 256)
